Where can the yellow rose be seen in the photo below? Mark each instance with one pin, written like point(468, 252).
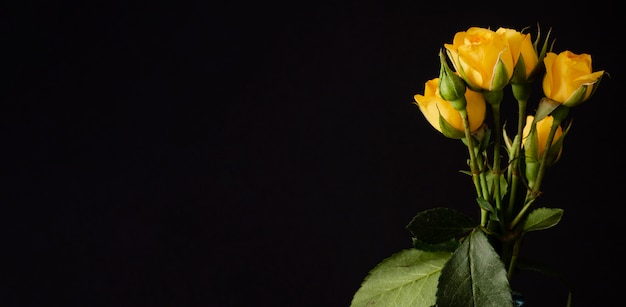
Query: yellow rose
point(434, 107)
point(522, 49)
point(543, 130)
point(482, 57)
point(569, 78)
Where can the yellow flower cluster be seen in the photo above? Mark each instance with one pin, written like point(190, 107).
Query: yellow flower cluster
point(487, 61)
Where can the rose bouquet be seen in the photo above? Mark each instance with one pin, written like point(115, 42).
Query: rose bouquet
point(457, 260)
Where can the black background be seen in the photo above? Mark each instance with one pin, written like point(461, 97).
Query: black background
point(266, 153)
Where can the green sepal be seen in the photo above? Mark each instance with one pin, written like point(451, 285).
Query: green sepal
point(542, 218)
point(596, 84)
point(451, 86)
point(544, 48)
point(531, 146)
point(483, 136)
point(531, 155)
point(531, 170)
point(541, 54)
point(438, 225)
point(461, 72)
point(546, 106)
point(500, 77)
point(554, 153)
point(507, 141)
point(448, 130)
point(474, 276)
point(519, 72)
point(578, 96)
point(503, 183)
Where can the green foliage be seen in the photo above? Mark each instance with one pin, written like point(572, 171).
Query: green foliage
point(439, 225)
point(542, 218)
point(474, 276)
point(484, 204)
point(446, 246)
point(407, 278)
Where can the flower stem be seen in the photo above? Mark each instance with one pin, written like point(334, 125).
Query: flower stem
point(516, 248)
point(474, 168)
point(494, 98)
point(510, 250)
point(514, 158)
point(496, 155)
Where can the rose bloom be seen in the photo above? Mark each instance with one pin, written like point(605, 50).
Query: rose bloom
point(432, 106)
point(522, 49)
point(543, 130)
point(483, 58)
point(566, 73)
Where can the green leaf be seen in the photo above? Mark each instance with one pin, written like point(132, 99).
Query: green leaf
point(407, 278)
point(446, 246)
point(437, 225)
point(474, 276)
point(484, 204)
point(542, 218)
